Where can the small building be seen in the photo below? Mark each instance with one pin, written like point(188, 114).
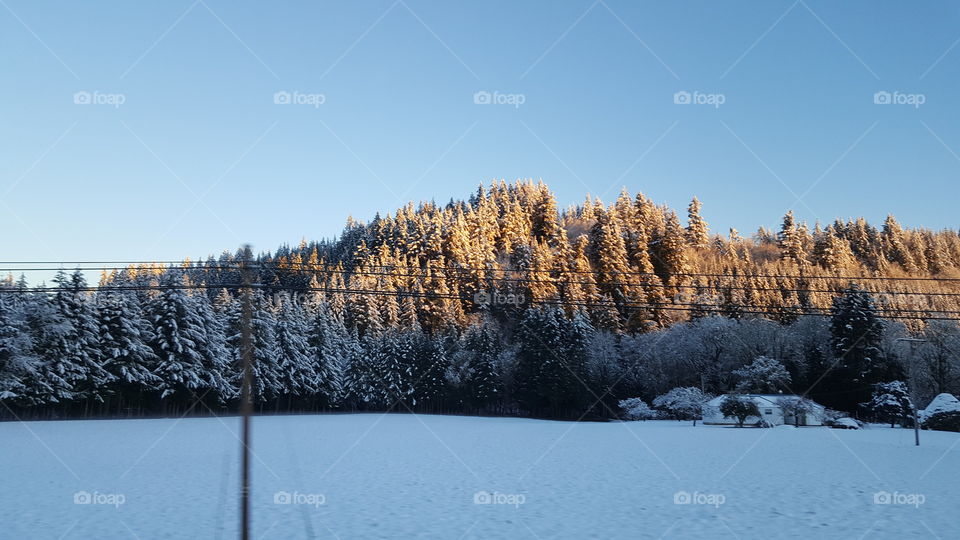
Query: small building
point(941, 403)
point(771, 411)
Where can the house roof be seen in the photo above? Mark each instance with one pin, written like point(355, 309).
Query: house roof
point(941, 403)
point(762, 400)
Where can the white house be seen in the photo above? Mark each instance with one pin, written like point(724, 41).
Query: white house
point(770, 410)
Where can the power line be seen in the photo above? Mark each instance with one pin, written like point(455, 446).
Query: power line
point(726, 309)
point(310, 268)
point(392, 274)
point(281, 265)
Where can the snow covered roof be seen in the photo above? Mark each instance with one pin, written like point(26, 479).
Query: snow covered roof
point(943, 402)
point(762, 400)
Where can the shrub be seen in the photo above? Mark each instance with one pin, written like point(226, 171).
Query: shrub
point(739, 407)
point(943, 421)
point(683, 403)
point(636, 409)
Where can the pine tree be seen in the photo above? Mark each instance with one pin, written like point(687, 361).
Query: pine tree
point(606, 372)
point(578, 285)
point(409, 319)
point(82, 338)
point(124, 345)
point(482, 384)
point(832, 252)
point(217, 370)
point(670, 257)
point(429, 364)
point(391, 372)
point(544, 219)
point(359, 385)
point(643, 319)
point(333, 349)
point(624, 213)
point(605, 316)
point(178, 342)
point(264, 367)
point(390, 307)
point(790, 240)
point(890, 402)
point(856, 333)
point(935, 253)
point(542, 284)
point(364, 308)
point(573, 391)
point(538, 337)
point(18, 365)
point(894, 244)
point(697, 230)
point(609, 256)
point(57, 374)
point(295, 365)
point(551, 359)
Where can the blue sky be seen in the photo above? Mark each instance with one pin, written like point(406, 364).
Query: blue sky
point(198, 157)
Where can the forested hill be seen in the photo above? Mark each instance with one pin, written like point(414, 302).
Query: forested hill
point(631, 265)
point(499, 304)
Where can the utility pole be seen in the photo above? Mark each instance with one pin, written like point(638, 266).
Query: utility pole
point(246, 401)
point(916, 422)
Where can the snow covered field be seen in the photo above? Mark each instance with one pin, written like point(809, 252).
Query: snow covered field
point(403, 476)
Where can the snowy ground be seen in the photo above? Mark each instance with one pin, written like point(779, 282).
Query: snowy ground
point(404, 476)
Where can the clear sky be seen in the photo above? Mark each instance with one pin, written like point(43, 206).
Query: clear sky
point(177, 147)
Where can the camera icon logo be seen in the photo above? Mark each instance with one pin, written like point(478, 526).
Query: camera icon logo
point(882, 497)
point(682, 497)
point(82, 98)
point(882, 98)
point(282, 497)
point(82, 497)
point(682, 98)
point(281, 98)
point(482, 97)
point(481, 298)
point(482, 497)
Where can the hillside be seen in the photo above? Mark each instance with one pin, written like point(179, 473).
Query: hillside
point(499, 304)
point(632, 265)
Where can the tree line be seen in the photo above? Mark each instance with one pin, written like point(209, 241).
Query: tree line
point(175, 350)
point(499, 304)
point(631, 265)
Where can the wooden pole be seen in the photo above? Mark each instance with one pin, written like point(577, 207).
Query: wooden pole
point(246, 401)
point(913, 397)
